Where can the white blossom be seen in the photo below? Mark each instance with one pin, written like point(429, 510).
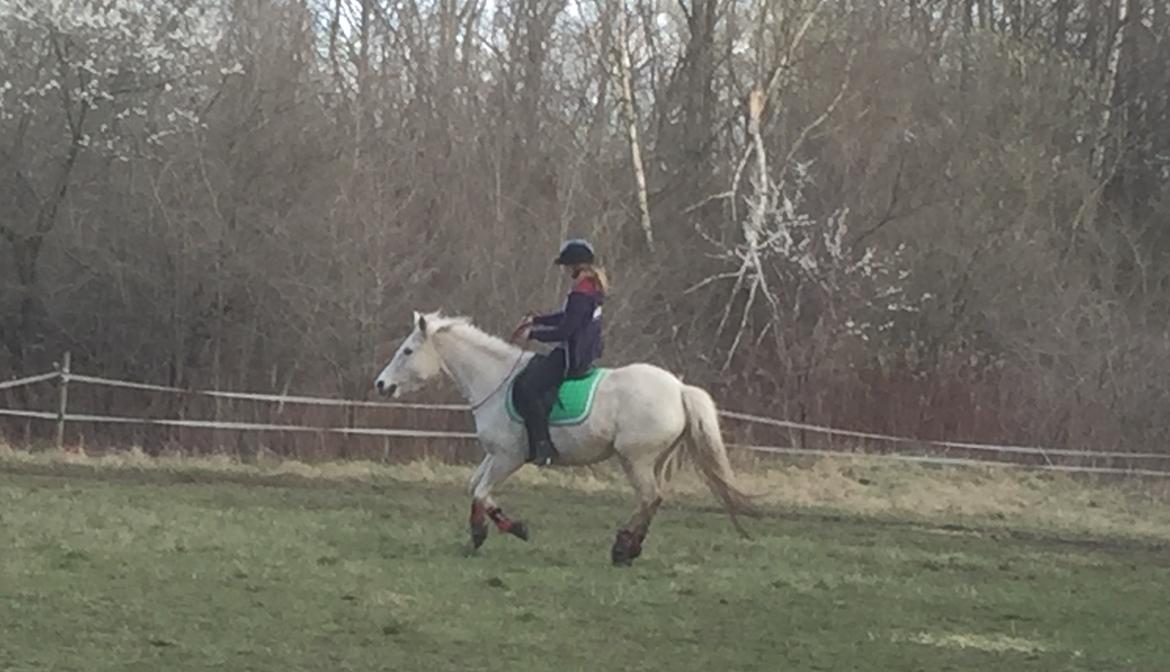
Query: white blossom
point(122, 58)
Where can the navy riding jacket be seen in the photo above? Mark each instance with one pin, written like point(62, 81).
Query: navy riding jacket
point(577, 329)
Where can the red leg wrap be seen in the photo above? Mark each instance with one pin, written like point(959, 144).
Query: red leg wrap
point(478, 513)
point(502, 522)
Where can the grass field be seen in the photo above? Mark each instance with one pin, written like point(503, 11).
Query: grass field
point(146, 567)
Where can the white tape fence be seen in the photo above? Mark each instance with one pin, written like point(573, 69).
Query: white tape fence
point(1150, 464)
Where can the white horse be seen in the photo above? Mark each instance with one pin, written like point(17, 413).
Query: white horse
point(642, 415)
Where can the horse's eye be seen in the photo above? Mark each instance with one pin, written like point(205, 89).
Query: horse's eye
point(408, 352)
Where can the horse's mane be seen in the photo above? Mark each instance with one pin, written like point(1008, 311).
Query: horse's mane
point(438, 322)
point(467, 330)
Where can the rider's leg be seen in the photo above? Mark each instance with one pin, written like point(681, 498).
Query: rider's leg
point(541, 376)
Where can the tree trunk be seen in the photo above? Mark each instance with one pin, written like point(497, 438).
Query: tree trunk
point(965, 48)
point(363, 83)
point(1128, 127)
point(1015, 9)
point(1114, 89)
point(26, 252)
point(699, 99)
point(1089, 44)
point(1060, 30)
point(631, 114)
point(986, 15)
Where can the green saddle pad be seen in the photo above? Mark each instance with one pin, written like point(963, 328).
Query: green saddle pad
point(575, 400)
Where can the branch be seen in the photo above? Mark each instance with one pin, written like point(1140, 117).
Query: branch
point(821, 119)
point(895, 192)
point(63, 72)
point(705, 201)
point(143, 88)
point(712, 279)
point(740, 276)
point(747, 154)
point(26, 115)
point(786, 61)
point(743, 319)
point(47, 215)
point(22, 181)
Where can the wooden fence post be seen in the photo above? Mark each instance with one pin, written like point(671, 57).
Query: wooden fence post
point(63, 402)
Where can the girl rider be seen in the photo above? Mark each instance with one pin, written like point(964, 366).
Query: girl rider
point(576, 331)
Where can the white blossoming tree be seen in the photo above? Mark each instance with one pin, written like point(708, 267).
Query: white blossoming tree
point(82, 78)
point(795, 275)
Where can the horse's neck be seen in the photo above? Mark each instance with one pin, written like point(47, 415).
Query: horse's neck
point(479, 364)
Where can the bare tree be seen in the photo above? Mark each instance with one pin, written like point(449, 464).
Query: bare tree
point(935, 216)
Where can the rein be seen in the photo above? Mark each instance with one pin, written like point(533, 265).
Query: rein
point(476, 406)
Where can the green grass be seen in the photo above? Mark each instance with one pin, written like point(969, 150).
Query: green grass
point(152, 569)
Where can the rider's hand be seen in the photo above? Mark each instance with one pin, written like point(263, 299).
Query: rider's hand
point(522, 328)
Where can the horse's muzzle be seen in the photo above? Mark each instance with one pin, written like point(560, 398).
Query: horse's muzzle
point(387, 390)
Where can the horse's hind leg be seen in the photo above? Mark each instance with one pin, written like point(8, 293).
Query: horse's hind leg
point(628, 545)
point(492, 471)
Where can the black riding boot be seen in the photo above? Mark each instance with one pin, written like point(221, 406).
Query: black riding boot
point(535, 392)
point(541, 450)
point(543, 453)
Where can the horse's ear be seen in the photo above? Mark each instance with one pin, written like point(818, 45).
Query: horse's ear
point(420, 321)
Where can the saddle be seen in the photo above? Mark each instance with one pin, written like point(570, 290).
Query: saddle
point(571, 404)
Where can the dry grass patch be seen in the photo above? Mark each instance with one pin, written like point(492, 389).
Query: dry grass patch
point(847, 485)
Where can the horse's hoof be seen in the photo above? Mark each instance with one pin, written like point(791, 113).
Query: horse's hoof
point(626, 548)
point(519, 529)
point(478, 535)
point(622, 557)
point(636, 552)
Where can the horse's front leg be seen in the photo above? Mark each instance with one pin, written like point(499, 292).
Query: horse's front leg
point(494, 470)
point(478, 522)
point(516, 528)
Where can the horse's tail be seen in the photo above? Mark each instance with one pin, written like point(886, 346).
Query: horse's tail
point(710, 454)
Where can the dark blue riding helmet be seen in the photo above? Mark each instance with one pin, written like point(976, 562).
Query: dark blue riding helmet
point(576, 251)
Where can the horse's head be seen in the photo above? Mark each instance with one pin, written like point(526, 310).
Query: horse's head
point(415, 362)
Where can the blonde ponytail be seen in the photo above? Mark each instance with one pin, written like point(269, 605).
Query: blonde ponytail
point(598, 274)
